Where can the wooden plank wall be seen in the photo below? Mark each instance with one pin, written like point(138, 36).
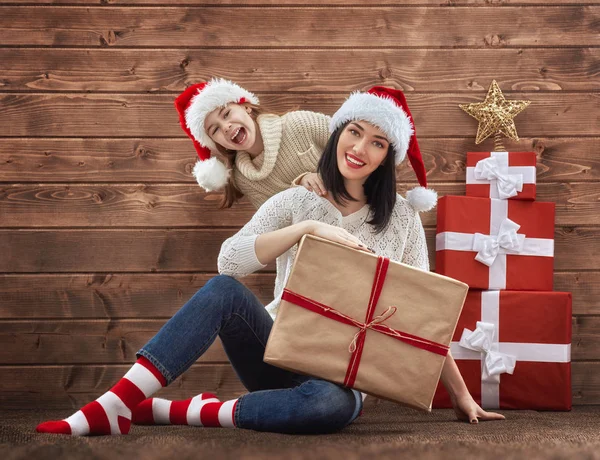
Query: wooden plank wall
point(103, 232)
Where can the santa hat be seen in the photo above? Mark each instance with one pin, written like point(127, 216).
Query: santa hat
point(193, 106)
point(386, 108)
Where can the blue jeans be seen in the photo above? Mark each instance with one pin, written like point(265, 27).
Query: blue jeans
point(279, 401)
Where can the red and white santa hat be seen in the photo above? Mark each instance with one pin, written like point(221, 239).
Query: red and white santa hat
point(193, 106)
point(387, 109)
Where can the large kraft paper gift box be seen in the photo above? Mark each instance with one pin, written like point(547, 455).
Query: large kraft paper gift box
point(501, 175)
point(496, 244)
point(362, 321)
point(513, 349)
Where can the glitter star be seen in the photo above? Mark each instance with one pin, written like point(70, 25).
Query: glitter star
point(495, 114)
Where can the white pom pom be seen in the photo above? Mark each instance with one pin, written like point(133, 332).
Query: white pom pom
point(422, 199)
point(211, 174)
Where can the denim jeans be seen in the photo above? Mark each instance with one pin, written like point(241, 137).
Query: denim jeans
point(279, 400)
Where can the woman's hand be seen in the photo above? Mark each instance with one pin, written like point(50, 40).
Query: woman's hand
point(337, 235)
point(466, 409)
point(313, 182)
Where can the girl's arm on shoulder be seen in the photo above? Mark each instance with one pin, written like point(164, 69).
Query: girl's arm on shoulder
point(314, 126)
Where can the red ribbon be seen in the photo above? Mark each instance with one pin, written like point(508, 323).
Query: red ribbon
point(357, 344)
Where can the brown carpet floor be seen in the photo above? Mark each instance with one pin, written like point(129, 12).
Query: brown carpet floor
point(384, 431)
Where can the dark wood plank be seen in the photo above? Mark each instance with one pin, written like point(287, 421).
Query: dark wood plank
point(444, 70)
point(440, 3)
point(116, 205)
point(161, 295)
point(171, 160)
point(305, 27)
point(112, 296)
point(585, 383)
point(128, 115)
point(117, 341)
point(92, 160)
point(70, 387)
point(586, 337)
point(585, 287)
point(82, 341)
point(27, 251)
point(152, 250)
point(187, 205)
point(57, 387)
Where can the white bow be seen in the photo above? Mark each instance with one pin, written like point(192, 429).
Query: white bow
point(508, 184)
point(488, 246)
point(482, 340)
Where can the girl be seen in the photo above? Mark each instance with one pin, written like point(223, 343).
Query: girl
point(263, 153)
point(370, 135)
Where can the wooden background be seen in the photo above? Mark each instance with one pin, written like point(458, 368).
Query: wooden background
point(103, 230)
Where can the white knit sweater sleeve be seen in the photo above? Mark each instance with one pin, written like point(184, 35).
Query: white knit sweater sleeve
point(415, 250)
point(237, 257)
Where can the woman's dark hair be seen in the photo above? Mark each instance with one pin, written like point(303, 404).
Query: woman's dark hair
point(380, 186)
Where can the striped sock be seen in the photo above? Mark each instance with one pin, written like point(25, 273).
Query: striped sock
point(202, 410)
point(111, 412)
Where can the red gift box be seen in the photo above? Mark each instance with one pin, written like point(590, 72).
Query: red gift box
point(502, 175)
point(496, 244)
point(532, 332)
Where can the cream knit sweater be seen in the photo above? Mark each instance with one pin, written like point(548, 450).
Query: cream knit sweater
point(293, 144)
point(403, 240)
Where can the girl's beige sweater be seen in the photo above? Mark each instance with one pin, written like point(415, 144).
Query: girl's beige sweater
point(293, 144)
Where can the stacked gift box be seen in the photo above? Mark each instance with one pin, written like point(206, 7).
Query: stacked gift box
point(512, 342)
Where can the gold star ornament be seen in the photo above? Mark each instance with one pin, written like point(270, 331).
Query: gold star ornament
point(495, 114)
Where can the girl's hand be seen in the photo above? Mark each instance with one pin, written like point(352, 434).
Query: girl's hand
point(466, 409)
point(337, 235)
point(313, 183)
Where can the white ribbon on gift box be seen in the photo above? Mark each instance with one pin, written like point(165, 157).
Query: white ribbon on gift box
point(505, 181)
point(488, 246)
point(501, 230)
point(507, 185)
point(482, 340)
point(506, 351)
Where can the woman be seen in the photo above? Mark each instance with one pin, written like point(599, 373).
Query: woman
point(371, 133)
point(263, 153)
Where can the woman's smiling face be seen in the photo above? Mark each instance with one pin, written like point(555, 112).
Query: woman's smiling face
point(362, 148)
point(231, 127)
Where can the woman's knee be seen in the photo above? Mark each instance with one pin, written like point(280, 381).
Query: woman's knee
point(223, 283)
point(220, 292)
point(224, 287)
point(331, 407)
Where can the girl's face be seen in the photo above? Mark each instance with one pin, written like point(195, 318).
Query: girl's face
point(231, 127)
point(361, 148)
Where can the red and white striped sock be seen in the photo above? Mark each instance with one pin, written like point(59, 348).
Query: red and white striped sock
point(202, 410)
point(111, 412)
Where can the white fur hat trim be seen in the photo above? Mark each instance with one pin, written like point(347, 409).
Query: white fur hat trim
point(211, 174)
point(382, 112)
point(422, 199)
point(217, 93)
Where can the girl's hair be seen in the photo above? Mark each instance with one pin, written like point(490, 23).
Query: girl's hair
point(380, 186)
point(232, 193)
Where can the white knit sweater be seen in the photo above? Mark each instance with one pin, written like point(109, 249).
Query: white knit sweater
point(403, 240)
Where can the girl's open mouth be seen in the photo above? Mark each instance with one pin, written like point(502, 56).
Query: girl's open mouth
point(239, 136)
